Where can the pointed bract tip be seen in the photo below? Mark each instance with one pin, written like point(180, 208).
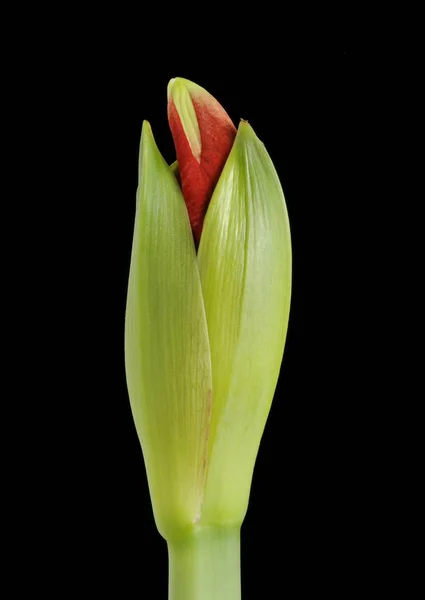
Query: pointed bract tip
point(246, 134)
point(147, 134)
point(149, 153)
point(147, 139)
point(245, 128)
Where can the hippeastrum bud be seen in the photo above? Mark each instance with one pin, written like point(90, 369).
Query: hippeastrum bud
point(205, 333)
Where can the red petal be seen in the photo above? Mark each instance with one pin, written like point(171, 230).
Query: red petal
point(198, 179)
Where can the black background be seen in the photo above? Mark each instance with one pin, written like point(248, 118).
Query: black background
point(313, 521)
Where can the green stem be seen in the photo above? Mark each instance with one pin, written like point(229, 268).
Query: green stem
point(205, 565)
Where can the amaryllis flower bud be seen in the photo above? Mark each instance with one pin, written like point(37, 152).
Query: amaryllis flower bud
point(205, 332)
point(203, 136)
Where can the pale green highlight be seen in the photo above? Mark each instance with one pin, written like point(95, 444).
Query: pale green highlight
point(179, 92)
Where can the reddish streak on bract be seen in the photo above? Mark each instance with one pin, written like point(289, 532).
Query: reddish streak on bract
point(198, 180)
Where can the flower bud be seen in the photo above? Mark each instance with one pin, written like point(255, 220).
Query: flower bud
point(205, 332)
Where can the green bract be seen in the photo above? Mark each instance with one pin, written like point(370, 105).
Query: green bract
point(205, 333)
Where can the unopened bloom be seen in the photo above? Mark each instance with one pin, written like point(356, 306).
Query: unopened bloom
point(205, 330)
